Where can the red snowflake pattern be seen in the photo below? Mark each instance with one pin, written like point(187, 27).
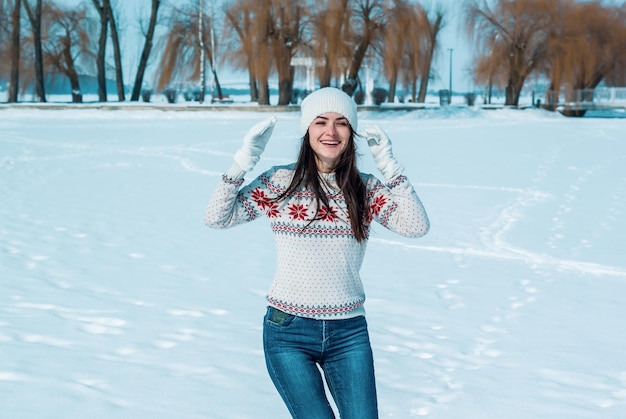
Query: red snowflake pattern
point(272, 210)
point(297, 211)
point(260, 198)
point(378, 204)
point(327, 214)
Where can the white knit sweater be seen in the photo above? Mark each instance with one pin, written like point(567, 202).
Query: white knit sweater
point(318, 262)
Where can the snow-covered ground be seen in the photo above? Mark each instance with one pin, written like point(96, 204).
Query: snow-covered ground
point(117, 302)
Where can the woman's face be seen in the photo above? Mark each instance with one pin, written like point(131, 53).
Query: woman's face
point(329, 135)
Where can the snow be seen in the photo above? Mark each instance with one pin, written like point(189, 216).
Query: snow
point(117, 302)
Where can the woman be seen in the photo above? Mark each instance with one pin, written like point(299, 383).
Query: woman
point(320, 210)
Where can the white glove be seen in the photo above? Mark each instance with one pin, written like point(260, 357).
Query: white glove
point(380, 146)
point(254, 143)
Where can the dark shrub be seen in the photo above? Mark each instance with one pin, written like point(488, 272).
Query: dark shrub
point(379, 95)
point(146, 94)
point(170, 94)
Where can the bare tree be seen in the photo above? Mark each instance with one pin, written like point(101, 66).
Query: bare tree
point(240, 16)
point(408, 46)
point(563, 57)
point(145, 54)
point(35, 17)
point(5, 11)
point(251, 20)
point(330, 38)
point(600, 45)
point(181, 50)
point(5, 36)
point(181, 58)
point(102, 7)
point(401, 33)
point(14, 77)
point(586, 44)
point(117, 54)
point(67, 39)
point(433, 28)
point(261, 31)
point(523, 26)
point(210, 46)
point(616, 75)
point(394, 42)
point(368, 19)
point(489, 71)
point(285, 36)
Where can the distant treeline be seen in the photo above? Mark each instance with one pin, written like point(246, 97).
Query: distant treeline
point(569, 45)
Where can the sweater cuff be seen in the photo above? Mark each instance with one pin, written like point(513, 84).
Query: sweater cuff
point(235, 172)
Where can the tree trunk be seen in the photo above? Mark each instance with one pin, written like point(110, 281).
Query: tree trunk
point(285, 74)
point(102, 44)
point(246, 42)
point(145, 54)
point(284, 92)
point(513, 89)
point(326, 74)
point(264, 92)
point(285, 88)
point(391, 95)
point(515, 83)
point(41, 87)
point(432, 44)
point(218, 86)
point(352, 79)
point(254, 91)
point(72, 75)
point(14, 79)
point(421, 95)
point(35, 22)
point(116, 53)
point(552, 95)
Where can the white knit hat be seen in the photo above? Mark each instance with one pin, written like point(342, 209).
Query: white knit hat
point(328, 99)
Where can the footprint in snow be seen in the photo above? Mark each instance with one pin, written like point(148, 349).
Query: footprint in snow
point(444, 292)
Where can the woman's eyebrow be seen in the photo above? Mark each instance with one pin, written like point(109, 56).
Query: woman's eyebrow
point(327, 119)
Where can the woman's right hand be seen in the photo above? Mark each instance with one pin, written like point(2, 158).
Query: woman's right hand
point(254, 143)
point(380, 146)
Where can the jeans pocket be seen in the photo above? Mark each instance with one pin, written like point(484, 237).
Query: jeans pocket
point(279, 318)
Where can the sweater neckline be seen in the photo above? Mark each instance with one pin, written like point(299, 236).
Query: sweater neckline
point(327, 176)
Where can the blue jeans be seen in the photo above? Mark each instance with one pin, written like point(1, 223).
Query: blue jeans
point(296, 346)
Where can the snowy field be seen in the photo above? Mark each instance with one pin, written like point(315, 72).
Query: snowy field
point(117, 302)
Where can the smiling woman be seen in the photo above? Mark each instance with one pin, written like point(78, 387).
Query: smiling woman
point(320, 210)
point(328, 136)
point(329, 121)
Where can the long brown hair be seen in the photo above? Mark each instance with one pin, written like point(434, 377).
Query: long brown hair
point(347, 177)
